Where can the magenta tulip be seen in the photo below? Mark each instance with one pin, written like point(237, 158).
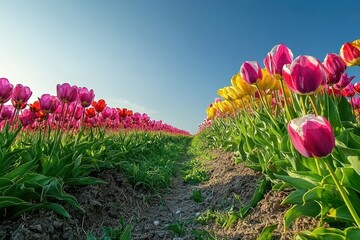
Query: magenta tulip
point(344, 81)
point(85, 97)
point(250, 71)
point(335, 67)
point(48, 103)
point(305, 75)
point(20, 96)
point(6, 112)
point(277, 58)
point(5, 90)
point(66, 93)
point(312, 136)
point(27, 117)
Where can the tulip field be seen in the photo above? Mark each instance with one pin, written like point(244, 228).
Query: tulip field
point(295, 123)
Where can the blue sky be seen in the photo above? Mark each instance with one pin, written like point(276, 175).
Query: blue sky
point(163, 57)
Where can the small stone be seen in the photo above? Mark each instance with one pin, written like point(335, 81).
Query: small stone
point(177, 238)
point(156, 222)
point(57, 224)
point(177, 212)
point(36, 227)
point(197, 214)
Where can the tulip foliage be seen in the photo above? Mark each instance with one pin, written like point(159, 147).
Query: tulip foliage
point(297, 121)
point(60, 140)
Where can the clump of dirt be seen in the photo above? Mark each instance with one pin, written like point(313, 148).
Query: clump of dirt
point(152, 215)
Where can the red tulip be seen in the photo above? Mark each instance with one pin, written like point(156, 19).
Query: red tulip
point(251, 72)
point(357, 87)
point(305, 75)
point(99, 106)
point(90, 112)
point(277, 58)
point(350, 53)
point(312, 136)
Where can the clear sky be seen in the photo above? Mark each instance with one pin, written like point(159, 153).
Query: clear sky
point(163, 57)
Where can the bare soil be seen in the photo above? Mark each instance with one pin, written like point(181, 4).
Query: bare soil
point(150, 214)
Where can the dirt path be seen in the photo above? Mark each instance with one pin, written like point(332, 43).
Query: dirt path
point(151, 214)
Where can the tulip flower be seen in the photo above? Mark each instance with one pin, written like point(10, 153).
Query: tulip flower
point(334, 67)
point(27, 117)
point(66, 93)
point(267, 81)
point(20, 96)
point(90, 112)
point(211, 112)
point(99, 106)
point(48, 103)
point(85, 97)
point(6, 112)
point(250, 71)
point(350, 53)
point(344, 81)
point(355, 102)
point(5, 90)
point(305, 75)
point(357, 87)
point(243, 86)
point(277, 58)
point(348, 91)
point(312, 136)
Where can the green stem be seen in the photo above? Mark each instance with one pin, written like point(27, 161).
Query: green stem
point(313, 104)
point(318, 166)
point(344, 195)
point(285, 100)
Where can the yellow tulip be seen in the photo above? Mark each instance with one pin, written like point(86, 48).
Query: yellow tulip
point(245, 87)
point(211, 112)
point(267, 80)
point(222, 92)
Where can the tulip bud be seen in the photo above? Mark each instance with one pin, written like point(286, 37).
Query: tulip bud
point(312, 136)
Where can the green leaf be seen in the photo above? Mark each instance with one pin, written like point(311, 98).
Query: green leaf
point(295, 197)
point(267, 232)
point(340, 214)
point(297, 183)
point(352, 155)
point(345, 110)
point(352, 233)
point(311, 209)
point(331, 113)
point(21, 170)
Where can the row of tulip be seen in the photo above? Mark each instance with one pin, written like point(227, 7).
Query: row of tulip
point(72, 108)
point(297, 121)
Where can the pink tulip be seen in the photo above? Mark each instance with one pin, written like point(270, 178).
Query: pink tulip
point(355, 102)
point(5, 90)
point(348, 91)
point(20, 96)
point(312, 136)
point(6, 112)
point(250, 71)
point(48, 103)
point(27, 117)
point(277, 58)
point(66, 93)
point(335, 67)
point(85, 97)
point(305, 75)
point(344, 81)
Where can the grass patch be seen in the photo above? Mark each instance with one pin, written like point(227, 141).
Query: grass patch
point(196, 195)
